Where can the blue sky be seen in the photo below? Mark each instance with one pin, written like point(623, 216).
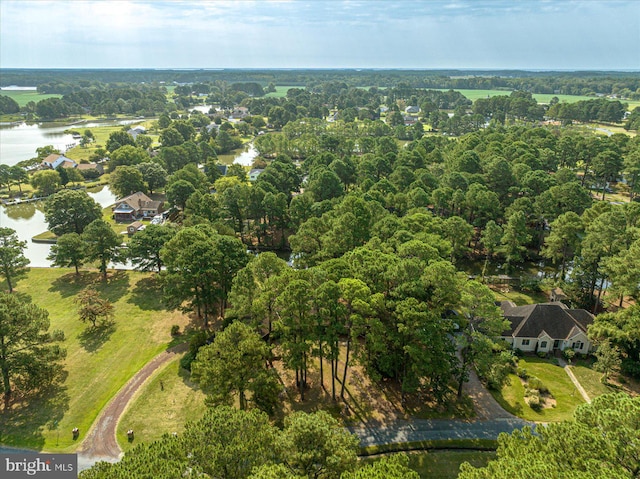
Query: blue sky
point(492, 34)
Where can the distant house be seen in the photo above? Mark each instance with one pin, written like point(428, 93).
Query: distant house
point(254, 173)
point(135, 207)
point(134, 227)
point(547, 327)
point(222, 169)
point(91, 166)
point(137, 130)
point(412, 109)
point(54, 160)
point(239, 113)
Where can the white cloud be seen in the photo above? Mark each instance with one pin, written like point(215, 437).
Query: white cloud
point(280, 33)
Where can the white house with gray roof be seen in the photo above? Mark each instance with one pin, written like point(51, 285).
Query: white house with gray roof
point(547, 327)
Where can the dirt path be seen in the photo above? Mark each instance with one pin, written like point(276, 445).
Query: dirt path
point(574, 380)
point(100, 443)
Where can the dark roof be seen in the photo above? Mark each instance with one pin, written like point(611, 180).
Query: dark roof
point(555, 319)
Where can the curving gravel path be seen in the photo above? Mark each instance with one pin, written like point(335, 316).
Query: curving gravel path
point(100, 443)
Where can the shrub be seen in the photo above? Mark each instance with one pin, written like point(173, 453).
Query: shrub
point(518, 352)
point(568, 354)
point(630, 367)
point(536, 383)
point(522, 373)
point(197, 341)
point(175, 330)
point(534, 402)
point(542, 354)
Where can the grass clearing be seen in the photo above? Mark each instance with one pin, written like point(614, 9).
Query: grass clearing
point(163, 404)
point(22, 97)
point(281, 91)
point(567, 397)
point(99, 362)
point(446, 464)
point(520, 298)
point(590, 379)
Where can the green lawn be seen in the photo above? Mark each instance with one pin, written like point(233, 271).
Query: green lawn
point(98, 363)
point(101, 134)
point(22, 97)
point(442, 464)
point(446, 464)
point(163, 405)
point(589, 379)
point(281, 91)
point(520, 298)
point(555, 378)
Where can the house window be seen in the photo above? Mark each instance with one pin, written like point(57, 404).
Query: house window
point(556, 344)
point(577, 345)
point(543, 344)
point(525, 342)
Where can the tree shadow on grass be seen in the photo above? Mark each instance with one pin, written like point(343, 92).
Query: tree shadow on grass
point(23, 423)
point(116, 286)
point(147, 294)
point(93, 337)
point(71, 284)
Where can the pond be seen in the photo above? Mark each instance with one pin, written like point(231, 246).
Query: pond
point(18, 142)
point(28, 221)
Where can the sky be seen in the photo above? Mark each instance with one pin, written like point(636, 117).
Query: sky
point(408, 34)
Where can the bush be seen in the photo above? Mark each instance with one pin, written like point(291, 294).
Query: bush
point(534, 402)
point(535, 383)
point(568, 354)
point(522, 373)
point(197, 341)
point(542, 354)
point(518, 352)
point(175, 330)
point(630, 368)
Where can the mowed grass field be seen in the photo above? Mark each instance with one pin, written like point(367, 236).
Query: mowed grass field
point(98, 363)
point(281, 91)
point(22, 97)
point(567, 397)
point(163, 405)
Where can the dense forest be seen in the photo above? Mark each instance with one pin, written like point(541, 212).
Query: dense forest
point(384, 209)
point(625, 84)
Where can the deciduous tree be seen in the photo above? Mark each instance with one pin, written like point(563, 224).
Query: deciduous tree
point(92, 308)
point(102, 245)
point(68, 251)
point(70, 211)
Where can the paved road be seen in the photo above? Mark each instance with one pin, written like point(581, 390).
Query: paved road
point(435, 429)
point(490, 421)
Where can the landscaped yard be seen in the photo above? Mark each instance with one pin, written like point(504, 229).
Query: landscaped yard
point(98, 362)
point(589, 379)
point(163, 405)
point(566, 396)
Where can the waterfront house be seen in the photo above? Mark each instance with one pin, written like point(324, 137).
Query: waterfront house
point(136, 206)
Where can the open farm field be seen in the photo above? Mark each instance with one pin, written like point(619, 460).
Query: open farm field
point(99, 361)
point(281, 91)
point(22, 97)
